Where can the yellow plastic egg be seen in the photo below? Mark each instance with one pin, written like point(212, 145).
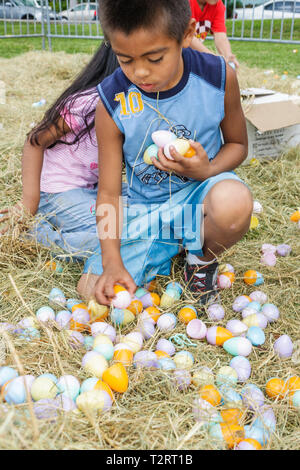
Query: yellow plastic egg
point(254, 223)
point(161, 354)
point(231, 415)
point(43, 387)
point(295, 217)
point(97, 312)
point(203, 376)
point(190, 153)
point(93, 401)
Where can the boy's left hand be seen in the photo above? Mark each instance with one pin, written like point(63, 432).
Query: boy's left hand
point(197, 167)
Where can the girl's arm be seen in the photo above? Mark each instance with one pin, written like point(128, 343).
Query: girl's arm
point(109, 208)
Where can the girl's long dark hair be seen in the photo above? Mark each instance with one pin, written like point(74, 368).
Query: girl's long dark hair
point(102, 64)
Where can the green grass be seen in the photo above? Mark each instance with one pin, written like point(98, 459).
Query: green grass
point(276, 56)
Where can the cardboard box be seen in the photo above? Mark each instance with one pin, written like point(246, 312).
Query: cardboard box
point(273, 122)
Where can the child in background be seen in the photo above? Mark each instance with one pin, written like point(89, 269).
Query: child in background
point(162, 84)
point(60, 165)
point(210, 17)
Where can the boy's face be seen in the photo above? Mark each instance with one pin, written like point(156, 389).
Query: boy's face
point(149, 58)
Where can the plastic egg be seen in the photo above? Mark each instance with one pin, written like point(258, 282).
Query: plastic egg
point(94, 363)
point(226, 268)
point(249, 444)
point(46, 408)
point(88, 343)
point(187, 313)
point(242, 367)
point(226, 375)
point(225, 280)
point(166, 363)
point(27, 322)
point(15, 392)
point(144, 316)
point(268, 247)
point(94, 401)
point(255, 305)
point(211, 394)
point(123, 354)
point(161, 354)
point(57, 297)
point(174, 286)
point(293, 384)
point(135, 306)
point(145, 359)
point(166, 322)
point(258, 434)
point(8, 327)
point(7, 373)
point(231, 415)
point(276, 388)
point(29, 334)
point(45, 314)
point(166, 346)
point(153, 313)
point(180, 145)
point(147, 329)
point(50, 376)
point(268, 259)
point(236, 327)
point(43, 387)
point(98, 328)
point(183, 360)
point(253, 397)
point(254, 278)
point(71, 302)
point(75, 338)
point(64, 403)
point(182, 379)
point(134, 340)
point(230, 396)
point(151, 299)
point(121, 317)
point(271, 312)
point(241, 302)
point(149, 153)
point(256, 319)
point(256, 335)
point(203, 376)
point(140, 292)
point(205, 413)
point(258, 296)
point(167, 300)
point(257, 207)
point(283, 250)
point(254, 222)
point(215, 312)
point(295, 217)
point(266, 419)
point(82, 306)
point(283, 346)
point(238, 346)
point(80, 320)
point(97, 311)
point(218, 335)
point(196, 329)
point(69, 385)
point(122, 297)
point(161, 138)
point(103, 345)
point(63, 318)
point(229, 434)
point(88, 384)
point(116, 377)
point(247, 311)
point(295, 400)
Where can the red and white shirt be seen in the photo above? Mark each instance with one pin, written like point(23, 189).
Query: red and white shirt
point(210, 19)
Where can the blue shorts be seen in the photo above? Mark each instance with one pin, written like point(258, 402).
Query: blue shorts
point(153, 234)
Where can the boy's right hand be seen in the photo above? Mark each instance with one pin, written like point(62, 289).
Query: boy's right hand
point(112, 275)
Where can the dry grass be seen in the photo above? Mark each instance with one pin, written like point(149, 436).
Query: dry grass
point(152, 414)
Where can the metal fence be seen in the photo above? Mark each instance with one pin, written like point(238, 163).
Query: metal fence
point(250, 20)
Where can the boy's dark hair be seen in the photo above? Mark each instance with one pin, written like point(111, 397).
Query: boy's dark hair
point(129, 15)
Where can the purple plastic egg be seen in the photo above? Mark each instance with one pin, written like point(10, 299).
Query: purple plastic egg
point(103, 328)
point(76, 339)
point(271, 312)
point(283, 346)
point(248, 311)
point(253, 397)
point(46, 408)
point(268, 258)
point(146, 300)
point(236, 327)
point(166, 346)
point(65, 403)
point(258, 296)
point(215, 312)
point(63, 319)
point(182, 379)
point(147, 328)
point(242, 367)
point(240, 303)
point(196, 329)
point(283, 249)
point(146, 359)
point(166, 322)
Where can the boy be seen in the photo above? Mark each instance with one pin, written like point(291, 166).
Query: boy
point(163, 84)
point(210, 16)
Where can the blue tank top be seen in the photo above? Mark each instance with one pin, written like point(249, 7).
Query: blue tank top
point(193, 109)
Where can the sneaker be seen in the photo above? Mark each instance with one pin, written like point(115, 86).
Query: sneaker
point(202, 280)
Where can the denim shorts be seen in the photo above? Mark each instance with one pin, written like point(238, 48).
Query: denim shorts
point(153, 234)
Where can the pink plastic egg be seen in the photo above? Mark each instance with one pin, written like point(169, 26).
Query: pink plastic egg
point(268, 259)
point(268, 247)
point(196, 329)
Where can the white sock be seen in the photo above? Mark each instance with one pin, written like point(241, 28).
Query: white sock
point(193, 259)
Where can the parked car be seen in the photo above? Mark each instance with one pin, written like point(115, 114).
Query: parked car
point(82, 12)
point(282, 9)
point(34, 3)
point(16, 10)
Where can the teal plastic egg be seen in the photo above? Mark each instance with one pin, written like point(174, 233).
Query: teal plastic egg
point(238, 346)
point(88, 384)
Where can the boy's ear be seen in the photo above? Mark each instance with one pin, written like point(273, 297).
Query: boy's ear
point(189, 33)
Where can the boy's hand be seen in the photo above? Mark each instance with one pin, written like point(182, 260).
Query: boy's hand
point(196, 167)
point(112, 275)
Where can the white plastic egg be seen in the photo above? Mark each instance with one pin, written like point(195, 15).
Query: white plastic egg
point(241, 302)
point(236, 327)
point(271, 312)
point(166, 322)
point(161, 138)
point(103, 328)
point(69, 385)
point(45, 314)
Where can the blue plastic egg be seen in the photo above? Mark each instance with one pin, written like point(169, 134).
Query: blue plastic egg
point(69, 385)
point(7, 373)
point(266, 419)
point(256, 335)
point(230, 396)
point(166, 363)
point(15, 392)
point(88, 384)
point(88, 342)
point(257, 433)
point(57, 297)
point(255, 305)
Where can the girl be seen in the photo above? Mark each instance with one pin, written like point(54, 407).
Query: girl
point(60, 165)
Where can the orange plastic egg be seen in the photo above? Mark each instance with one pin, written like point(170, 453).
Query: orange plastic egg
point(76, 326)
point(153, 312)
point(232, 434)
point(125, 356)
point(253, 442)
point(100, 385)
point(116, 377)
point(3, 389)
point(186, 314)
point(79, 306)
point(152, 285)
point(161, 354)
point(155, 298)
point(190, 153)
point(211, 394)
point(135, 307)
point(293, 384)
point(231, 415)
point(276, 388)
point(295, 217)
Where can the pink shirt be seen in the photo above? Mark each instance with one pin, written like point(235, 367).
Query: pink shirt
point(73, 166)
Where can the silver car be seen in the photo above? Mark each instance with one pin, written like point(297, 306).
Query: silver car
point(81, 12)
point(16, 10)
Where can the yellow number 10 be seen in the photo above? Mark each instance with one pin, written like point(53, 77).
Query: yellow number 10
point(135, 103)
